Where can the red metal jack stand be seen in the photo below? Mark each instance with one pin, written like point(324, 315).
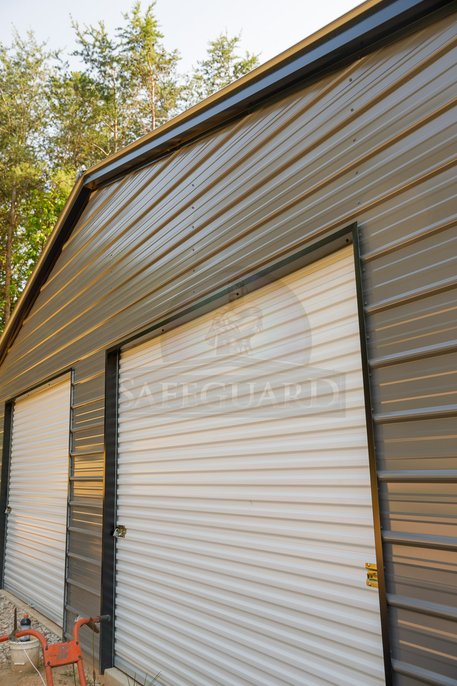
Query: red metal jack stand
point(65, 653)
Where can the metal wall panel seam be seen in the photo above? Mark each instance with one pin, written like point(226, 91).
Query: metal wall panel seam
point(415, 354)
point(418, 476)
point(412, 295)
point(422, 607)
point(424, 676)
point(97, 399)
point(420, 540)
point(69, 496)
point(414, 415)
point(85, 558)
point(412, 238)
point(83, 587)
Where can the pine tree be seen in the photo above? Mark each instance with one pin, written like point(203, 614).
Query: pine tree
point(222, 66)
point(151, 69)
point(103, 79)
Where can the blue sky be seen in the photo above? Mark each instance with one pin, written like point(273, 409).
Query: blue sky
point(266, 27)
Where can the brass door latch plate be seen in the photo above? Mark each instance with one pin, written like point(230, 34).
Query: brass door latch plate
point(120, 531)
point(372, 574)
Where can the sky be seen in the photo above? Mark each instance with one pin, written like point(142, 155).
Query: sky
point(267, 27)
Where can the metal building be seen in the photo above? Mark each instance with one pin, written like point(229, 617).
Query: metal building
point(229, 389)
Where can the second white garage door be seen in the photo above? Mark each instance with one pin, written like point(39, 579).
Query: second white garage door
point(244, 488)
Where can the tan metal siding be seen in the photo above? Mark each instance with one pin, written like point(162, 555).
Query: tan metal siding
point(373, 143)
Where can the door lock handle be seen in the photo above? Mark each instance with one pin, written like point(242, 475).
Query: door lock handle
point(372, 574)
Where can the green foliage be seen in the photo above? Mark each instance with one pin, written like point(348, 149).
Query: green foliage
point(130, 80)
point(79, 135)
point(56, 121)
point(23, 116)
point(42, 208)
point(151, 69)
point(106, 85)
point(221, 67)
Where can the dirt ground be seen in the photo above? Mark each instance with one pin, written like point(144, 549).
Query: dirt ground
point(62, 677)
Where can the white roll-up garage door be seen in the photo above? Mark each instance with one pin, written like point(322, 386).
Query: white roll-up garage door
point(243, 484)
point(38, 487)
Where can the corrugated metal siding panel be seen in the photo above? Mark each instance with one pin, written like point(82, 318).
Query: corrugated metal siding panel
point(248, 528)
point(373, 143)
point(38, 496)
point(133, 264)
point(87, 463)
point(130, 283)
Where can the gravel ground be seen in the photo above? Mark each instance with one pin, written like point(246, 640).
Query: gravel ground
point(6, 625)
point(62, 676)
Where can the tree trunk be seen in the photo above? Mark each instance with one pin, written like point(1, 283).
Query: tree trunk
point(11, 230)
point(153, 104)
